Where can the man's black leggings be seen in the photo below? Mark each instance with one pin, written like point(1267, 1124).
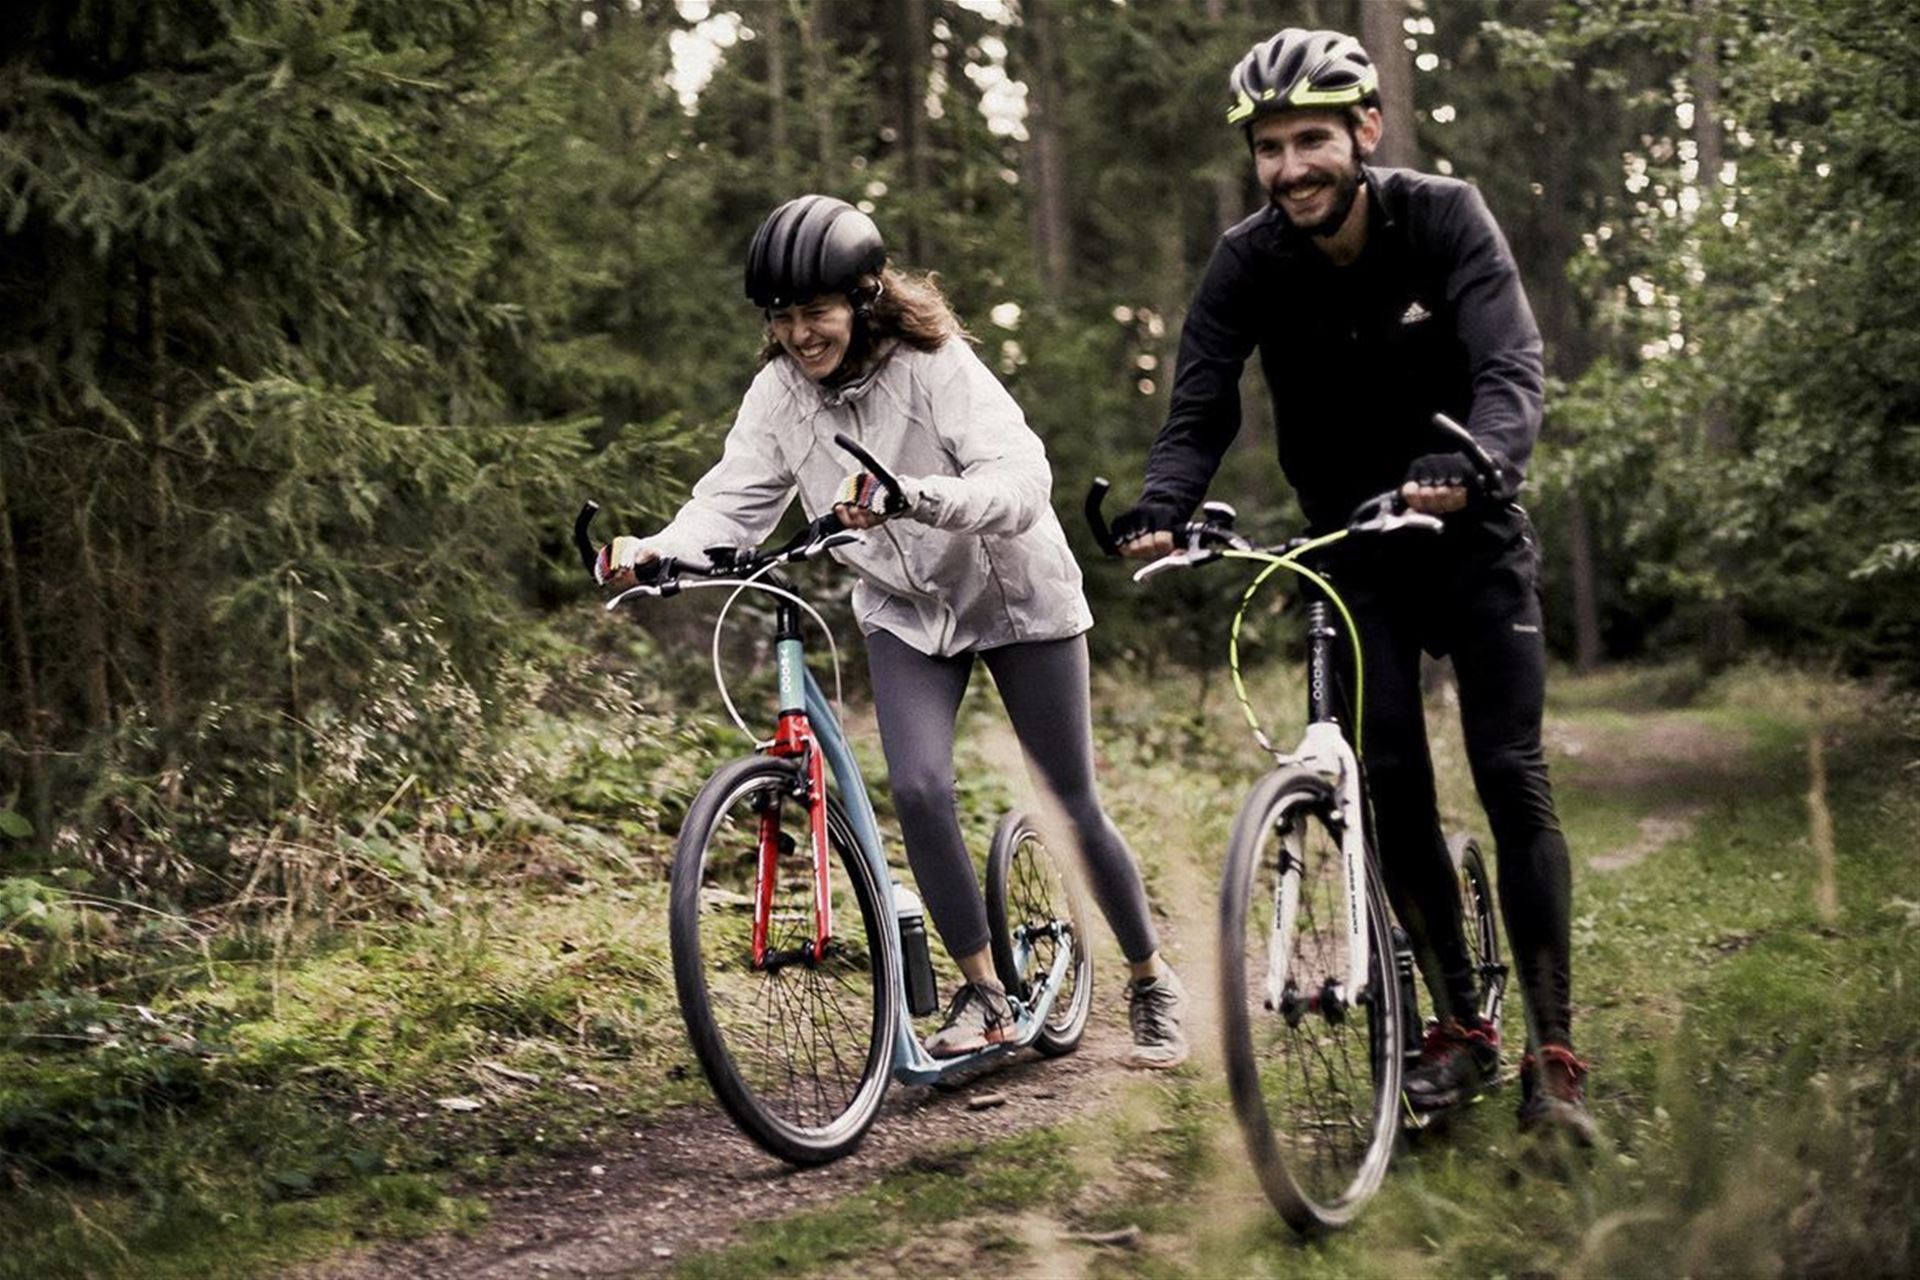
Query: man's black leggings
point(1470, 593)
point(1044, 687)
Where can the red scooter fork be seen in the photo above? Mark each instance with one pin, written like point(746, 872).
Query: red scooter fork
point(765, 878)
point(794, 739)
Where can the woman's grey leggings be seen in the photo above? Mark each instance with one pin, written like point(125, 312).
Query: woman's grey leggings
point(1044, 688)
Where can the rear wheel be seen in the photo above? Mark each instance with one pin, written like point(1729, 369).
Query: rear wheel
point(1036, 916)
point(1313, 1067)
point(1480, 922)
point(798, 1049)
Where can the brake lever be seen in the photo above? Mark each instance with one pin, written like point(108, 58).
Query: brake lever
point(1389, 513)
point(657, 578)
point(658, 590)
point(828, 542)
point(1190, 558)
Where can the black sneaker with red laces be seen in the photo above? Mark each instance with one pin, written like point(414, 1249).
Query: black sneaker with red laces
point(1553, 1096)
point(1457, 1063)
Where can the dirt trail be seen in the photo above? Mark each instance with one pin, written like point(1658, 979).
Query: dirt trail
point(688, 1181)
point(1657, 831)
point(1642, 756)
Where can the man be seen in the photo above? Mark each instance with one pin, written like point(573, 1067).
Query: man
point(1376, 298)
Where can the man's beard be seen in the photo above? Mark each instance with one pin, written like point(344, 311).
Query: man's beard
point(1346, 189)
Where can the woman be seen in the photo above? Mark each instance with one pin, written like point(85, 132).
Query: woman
point(975, 565)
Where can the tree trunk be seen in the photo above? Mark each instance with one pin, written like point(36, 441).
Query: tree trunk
point(773, 30)
point(1049, 225)
point(1826, 878)
point(158, 556)
point(34, 716)
point(1383, 32)
point(910, 34)
point(1726, 631)
point(1569, 353)
point(1586, 609)
point(92, 624)
point(296, 714)
point(1229, 184)
point(816, 46)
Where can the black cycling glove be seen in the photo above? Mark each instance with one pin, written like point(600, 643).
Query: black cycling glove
point(1443, 469)
point(1147, 517)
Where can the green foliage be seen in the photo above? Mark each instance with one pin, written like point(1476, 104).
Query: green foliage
point(307, 382)
point(318, 320)
point(997, 1179)
point(1754, 435)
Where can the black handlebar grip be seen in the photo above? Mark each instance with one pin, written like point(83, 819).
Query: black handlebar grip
point(582, 543)
point(1489, 474)
point(896, 500)
point(1096, 498)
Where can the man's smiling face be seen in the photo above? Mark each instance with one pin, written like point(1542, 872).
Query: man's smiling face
point(1308, 163)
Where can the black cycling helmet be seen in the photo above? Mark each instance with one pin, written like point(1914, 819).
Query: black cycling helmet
point(1300, 68)
point(809, 246)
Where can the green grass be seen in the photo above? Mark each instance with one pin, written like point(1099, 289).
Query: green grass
point(281, 1097)
point(1754, 1068)
point(1004, 1177)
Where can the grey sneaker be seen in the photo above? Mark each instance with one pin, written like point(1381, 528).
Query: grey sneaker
point(1155, 1009)
point(978, 1016)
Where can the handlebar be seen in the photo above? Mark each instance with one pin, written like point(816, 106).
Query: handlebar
point(1096, 498)
point(661, 577)
point(1476, 453)
point(1213, 531)
point(582, 540)
point(896, 500)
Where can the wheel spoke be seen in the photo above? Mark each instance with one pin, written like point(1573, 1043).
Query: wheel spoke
point(801, 1037)
point(1309, 1065)
point(1032, 910)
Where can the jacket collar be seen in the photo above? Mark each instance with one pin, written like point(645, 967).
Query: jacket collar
point(846, 392)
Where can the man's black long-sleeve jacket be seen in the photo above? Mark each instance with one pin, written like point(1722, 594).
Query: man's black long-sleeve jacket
point(1430, 318)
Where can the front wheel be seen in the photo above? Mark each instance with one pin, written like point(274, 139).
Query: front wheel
point(798, 1049)
point(1036, 916)
point(1313, 1068)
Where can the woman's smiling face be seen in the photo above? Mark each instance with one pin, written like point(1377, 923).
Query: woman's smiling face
point(815, 333)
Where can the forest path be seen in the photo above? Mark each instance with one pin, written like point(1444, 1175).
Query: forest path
point(687, 1190)
point(689, 1181)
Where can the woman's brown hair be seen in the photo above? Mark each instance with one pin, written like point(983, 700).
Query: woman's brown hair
point(910, 307)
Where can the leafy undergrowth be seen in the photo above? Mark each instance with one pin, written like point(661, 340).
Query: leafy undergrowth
point(391, 1010)
point(289, 1103)
point(394, 1008)
point(226, 1094)
point(1754, 1066)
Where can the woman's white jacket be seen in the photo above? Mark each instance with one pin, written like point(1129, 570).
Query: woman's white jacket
point(977, 561)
